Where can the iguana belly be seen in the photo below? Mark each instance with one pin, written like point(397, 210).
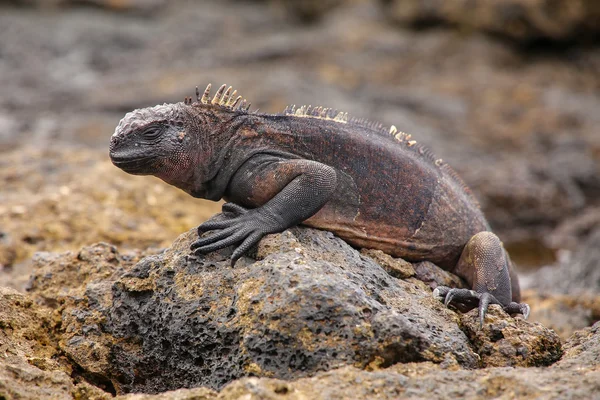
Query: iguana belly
point(445, 226)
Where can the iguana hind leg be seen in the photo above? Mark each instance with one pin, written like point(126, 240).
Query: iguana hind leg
point(487, 268)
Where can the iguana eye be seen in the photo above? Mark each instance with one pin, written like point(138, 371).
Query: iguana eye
point(152, 132)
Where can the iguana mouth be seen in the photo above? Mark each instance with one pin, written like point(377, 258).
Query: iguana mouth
point(137, 166)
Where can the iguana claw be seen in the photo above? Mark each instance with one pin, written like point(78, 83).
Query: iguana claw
point(237, 225)
point(465, 299)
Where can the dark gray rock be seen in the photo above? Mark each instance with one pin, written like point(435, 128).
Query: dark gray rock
point(575, 274)
point(311, 303)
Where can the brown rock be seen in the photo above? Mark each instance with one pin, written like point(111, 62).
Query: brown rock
point(511, 342)
point(59, 278)
point(311, 303)
point(423, 380)
point(30, 363)
point(563, 313)
point(518, 19)
point(396, 267)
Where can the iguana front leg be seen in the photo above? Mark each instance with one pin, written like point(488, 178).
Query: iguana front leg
point(486, 266)
point(284, 192)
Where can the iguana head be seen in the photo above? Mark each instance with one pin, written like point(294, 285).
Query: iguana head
point(153, 141)
point(178, 143)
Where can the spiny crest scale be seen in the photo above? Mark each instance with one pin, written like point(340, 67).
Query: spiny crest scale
point(342, 117)
point(317, 112)
point(401, 137)
point(168, 113)
point(224, 97)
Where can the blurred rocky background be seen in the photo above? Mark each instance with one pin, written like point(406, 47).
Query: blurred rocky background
point(506, 91)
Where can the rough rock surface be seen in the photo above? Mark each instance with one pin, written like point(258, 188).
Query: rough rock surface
point(31, 365)
point(505, 342)
point(525, 20)
point(310, 303)
point(424, 380)
point(576, 376)
point(310, 318)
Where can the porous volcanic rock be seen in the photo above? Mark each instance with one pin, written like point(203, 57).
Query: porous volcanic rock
point(576, 376)
point(502, 341)
point(308, 303)
point(31, 364)
point(31, 367)
point(311, 303)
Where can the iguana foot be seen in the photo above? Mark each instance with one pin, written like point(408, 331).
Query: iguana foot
point(487, 268)
point(465, 299)
point(237, 225)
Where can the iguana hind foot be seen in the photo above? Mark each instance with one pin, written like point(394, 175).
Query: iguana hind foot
point(465, 299)
point(486, 266)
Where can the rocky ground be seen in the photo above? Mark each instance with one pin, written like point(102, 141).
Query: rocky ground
point(510, 102)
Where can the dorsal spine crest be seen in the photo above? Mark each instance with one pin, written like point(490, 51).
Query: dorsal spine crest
point(402, 138)
point(224, 97)
point(308, 111)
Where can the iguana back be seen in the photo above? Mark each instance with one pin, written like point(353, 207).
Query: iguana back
point(392, 193)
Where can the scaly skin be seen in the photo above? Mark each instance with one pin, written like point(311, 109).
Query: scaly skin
point(373, 187)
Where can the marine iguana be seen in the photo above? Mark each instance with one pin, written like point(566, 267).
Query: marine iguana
point(372, 186)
